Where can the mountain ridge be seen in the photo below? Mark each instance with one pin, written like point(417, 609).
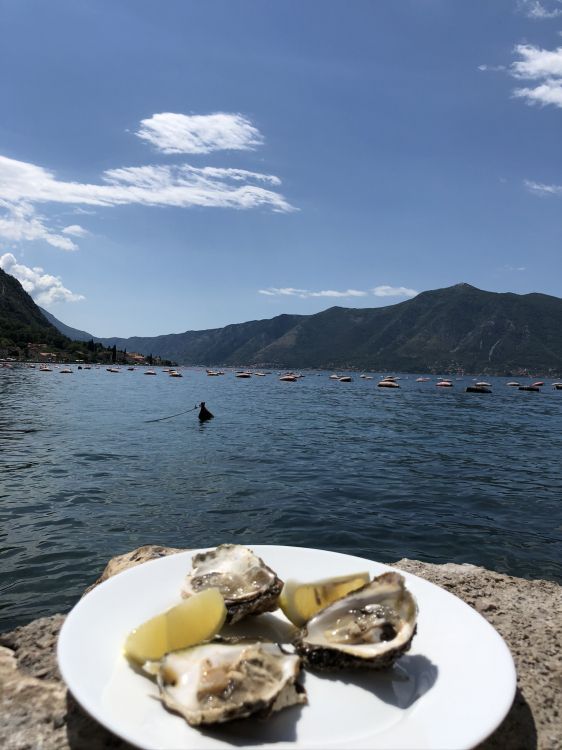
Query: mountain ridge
point(22, 323)
point(27, 333)
point(457, 327)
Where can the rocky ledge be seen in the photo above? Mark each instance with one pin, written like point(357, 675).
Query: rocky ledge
point(38, 713)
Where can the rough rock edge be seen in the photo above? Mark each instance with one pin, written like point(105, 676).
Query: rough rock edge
point(37, 712)
point(528, 615)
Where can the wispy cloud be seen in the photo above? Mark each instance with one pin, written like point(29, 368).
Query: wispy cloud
point(378, 291)
point(538, 11)
point(515, 268)
point(75, 230)
point(155, 185)
point(290, 291)
point(495, 68)
point(24, 185)
point(19, 222)
point(394, 291)
point(44, 288)
point(541, 189)
point(173, 133)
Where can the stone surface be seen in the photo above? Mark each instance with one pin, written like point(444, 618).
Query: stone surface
point(130, 559)
point(528, 614)
point(38, 713)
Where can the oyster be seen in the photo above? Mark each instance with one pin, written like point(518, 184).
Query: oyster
point(221, 681)
point(370, 627)
point(247, 585)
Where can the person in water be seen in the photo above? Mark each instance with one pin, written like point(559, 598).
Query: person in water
point(204, 413)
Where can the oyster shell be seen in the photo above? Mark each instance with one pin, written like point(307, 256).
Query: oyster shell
point(220, 681)
point(370, 627)
point(248, 586)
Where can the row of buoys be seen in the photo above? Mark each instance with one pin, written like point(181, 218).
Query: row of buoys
point(388, 381)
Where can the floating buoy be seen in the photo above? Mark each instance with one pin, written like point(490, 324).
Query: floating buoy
point(387, 384)
point(204, 413)
point(477, 389)
point(533, 388)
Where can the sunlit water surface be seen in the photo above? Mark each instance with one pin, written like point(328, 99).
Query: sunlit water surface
point(421, 472)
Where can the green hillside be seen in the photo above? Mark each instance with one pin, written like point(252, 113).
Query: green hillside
point(25, 332)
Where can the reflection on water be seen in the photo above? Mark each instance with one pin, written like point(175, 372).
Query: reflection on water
point(416, 472)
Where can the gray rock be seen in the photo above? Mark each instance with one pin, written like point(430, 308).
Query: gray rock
point(528, 615)
point(38, 713)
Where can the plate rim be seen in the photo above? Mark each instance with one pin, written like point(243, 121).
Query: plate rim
point(261, 549)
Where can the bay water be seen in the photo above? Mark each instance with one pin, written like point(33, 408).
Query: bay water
point(434, 474)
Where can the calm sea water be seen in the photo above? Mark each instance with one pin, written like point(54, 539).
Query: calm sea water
point(434, 474)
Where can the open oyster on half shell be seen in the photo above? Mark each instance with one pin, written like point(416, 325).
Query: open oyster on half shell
point(370, 627)
point(221, 681)
point(247, 585)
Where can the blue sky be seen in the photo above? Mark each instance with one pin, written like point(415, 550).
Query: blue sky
point(185, 165)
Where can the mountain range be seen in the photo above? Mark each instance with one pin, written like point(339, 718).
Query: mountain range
point(459, 327)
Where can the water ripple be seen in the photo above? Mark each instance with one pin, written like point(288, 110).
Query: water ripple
point(438, 476)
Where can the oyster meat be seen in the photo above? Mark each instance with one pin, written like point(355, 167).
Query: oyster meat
point(221, 681)
point(370, 627)
point(247, 585)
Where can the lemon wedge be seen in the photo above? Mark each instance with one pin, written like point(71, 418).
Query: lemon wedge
point(301, 601)
point(196, 619)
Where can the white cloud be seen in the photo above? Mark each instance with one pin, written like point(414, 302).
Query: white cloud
point(273, 291)
point(491, 67)
point(176, 185)
point(378, 291)
point(537, 11)
point(173, 133)
point(549, 92)
point(19, 222)
point(543, 66)
point(394, 291)
point(536, 62)
point(44, 288)
point(23, 185)
point(539, 188)
point(75, 230)
point(333, 293)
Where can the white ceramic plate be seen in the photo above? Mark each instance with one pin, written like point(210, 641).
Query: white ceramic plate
point(451, 690)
